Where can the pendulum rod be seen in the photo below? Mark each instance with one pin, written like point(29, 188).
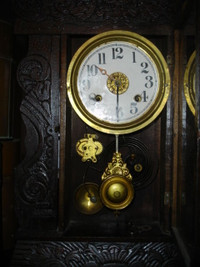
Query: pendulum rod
point(117, 143)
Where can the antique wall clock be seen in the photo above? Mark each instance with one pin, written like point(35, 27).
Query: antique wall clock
point(118, 82)
point(189, 82)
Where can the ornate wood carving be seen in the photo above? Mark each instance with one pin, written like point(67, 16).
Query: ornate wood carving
point(68, 16)
point(36, 177)
point(94, 254)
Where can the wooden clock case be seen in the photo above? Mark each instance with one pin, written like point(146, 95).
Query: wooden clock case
point(163, 210)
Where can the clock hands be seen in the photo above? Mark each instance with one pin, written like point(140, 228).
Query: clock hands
point(117, 104)
point(104, 72)
point(117, 83)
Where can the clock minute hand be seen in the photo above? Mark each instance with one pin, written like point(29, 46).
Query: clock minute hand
point(117, 104)
point(117, 84)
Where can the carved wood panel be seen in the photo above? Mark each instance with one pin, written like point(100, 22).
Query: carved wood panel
point(36, 177)
point(96, 254)
point(78, 16)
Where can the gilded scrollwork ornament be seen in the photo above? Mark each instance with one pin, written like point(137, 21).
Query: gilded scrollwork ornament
point(88, 148)
point(117, 167)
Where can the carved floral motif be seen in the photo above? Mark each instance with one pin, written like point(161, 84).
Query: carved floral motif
point(95, 254)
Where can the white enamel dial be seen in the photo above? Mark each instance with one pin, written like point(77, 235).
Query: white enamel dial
point(123, 65)
point(118, 82)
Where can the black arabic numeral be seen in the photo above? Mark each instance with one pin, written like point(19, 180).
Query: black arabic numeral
point(134, 60)
point(144, 96)
point(133, 108)
point(149, 84)
point(92, 70)
point(144, 65)
point(117, 53)
point(102, 58)
point(85, 85)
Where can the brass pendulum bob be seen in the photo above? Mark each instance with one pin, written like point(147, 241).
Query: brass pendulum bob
point(87, 198)
point(116, 190)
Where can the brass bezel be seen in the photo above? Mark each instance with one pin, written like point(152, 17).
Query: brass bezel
point(189, 83)
point(151, 51)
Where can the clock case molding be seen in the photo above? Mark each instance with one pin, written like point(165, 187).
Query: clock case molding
point(45, 178)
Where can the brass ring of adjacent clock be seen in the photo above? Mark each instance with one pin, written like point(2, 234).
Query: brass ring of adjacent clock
point(189, 82)
point(151, 52)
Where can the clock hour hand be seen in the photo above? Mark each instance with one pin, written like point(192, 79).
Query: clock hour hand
point(104, 72)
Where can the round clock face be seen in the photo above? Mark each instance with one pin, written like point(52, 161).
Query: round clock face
point(189, 82)
point(118, 82)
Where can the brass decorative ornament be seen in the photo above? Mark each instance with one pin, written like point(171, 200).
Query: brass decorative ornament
point(189, 82)
point(87, 199)
point(118, 82)
point(117, 167)
point(88, 148)
point(116, 191)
